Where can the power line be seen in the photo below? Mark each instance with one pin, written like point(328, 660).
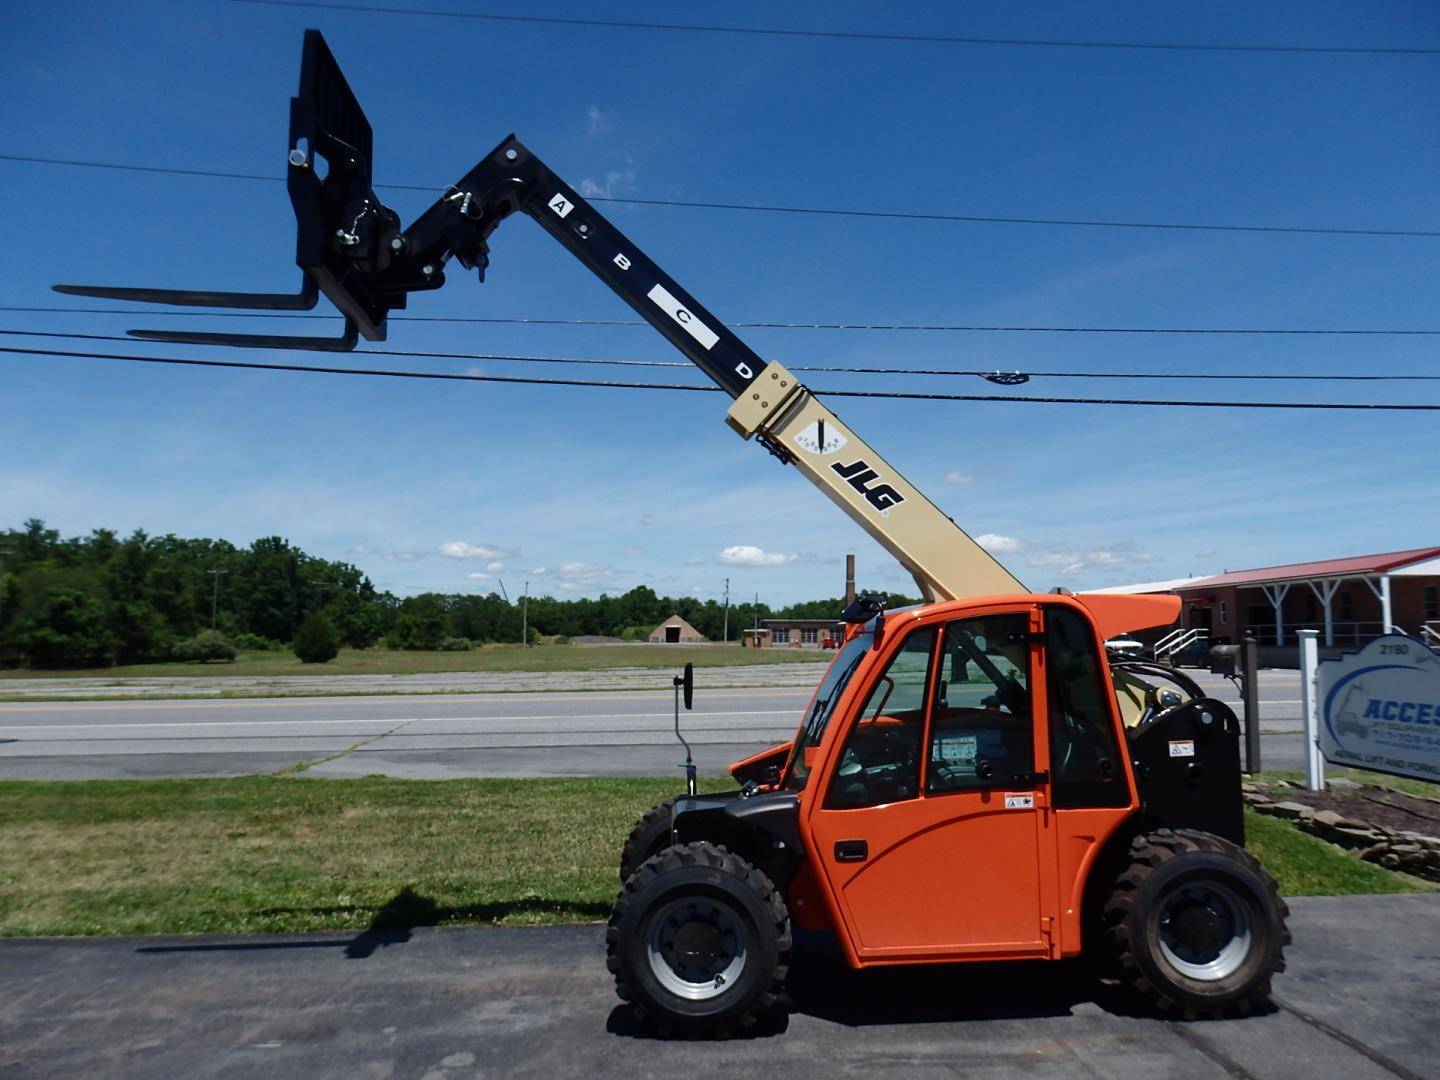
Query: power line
point(613, 385)
point(930, 39)
point(982, 373)
point(496, 320)
point(767, 208)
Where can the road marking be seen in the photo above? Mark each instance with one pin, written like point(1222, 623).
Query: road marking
point(260, 702)
point(61, 725)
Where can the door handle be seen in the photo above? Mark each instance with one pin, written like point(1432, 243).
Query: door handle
point(851, 851)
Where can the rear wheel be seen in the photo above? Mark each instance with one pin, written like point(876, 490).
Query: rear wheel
point(650, 836)
point(1196, 925)
point(699, 941)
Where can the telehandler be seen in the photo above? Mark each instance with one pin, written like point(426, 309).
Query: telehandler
point(972, 779)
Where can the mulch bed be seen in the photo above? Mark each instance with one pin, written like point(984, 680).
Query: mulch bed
point(1371, 805)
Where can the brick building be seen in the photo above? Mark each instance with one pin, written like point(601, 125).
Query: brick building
point(1349, 600)
point(804, 633)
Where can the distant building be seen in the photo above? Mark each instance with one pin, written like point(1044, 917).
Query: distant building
point(1349, 600)
point(754, 639)
point(804, 633)
point(675, 631)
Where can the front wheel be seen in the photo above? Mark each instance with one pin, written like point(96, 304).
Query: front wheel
point(699, 941)
point(1196, 925)
point(649, 837)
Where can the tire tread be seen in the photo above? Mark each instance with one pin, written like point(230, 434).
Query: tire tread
point(1148, 853)
point(713, 857)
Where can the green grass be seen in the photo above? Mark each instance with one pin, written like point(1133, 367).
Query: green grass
point(1306, 866)
point(500, 658)
point(288, 853)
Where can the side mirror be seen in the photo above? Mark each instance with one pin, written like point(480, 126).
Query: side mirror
point(687, 685)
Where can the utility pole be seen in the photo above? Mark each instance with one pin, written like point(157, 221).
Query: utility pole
point(757, 611)
point(320, 587)
point(727, 611)
point(525, 616)
point(215, 594)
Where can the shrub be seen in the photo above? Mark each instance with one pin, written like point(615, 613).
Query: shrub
point(255, 643)
point(204, 646)
point(316, 641)
point(455, 644)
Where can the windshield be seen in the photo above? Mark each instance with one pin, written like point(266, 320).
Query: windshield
point(831, 689)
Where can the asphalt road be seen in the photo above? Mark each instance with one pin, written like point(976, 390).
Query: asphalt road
point(602, 733)
point(1357, 1002)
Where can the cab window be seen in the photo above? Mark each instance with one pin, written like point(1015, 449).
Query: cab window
point(981, 732)
point(1083, 755)
point(881, 759)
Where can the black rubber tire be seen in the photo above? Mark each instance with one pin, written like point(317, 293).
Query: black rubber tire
point(649, 837)
point(1160, 862)
point(700, 869)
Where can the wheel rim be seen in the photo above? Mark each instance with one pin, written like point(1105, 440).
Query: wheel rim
point(1205, 930)
point(696, 948)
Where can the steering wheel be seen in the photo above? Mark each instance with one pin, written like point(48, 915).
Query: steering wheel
point(882, 766)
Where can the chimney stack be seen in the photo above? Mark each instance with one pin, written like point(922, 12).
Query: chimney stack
point(849, 580)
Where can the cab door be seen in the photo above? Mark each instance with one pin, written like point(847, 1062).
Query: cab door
point(933, 828)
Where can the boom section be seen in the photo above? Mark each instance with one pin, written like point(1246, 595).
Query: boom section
point(512, 178)
point(770, 405)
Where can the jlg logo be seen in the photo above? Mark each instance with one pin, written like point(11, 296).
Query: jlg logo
point(859, 475)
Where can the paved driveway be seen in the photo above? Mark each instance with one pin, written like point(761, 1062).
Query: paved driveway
point(1359, 1001)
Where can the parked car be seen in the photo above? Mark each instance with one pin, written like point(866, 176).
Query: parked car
point(1124, 648)
point(1195, 654)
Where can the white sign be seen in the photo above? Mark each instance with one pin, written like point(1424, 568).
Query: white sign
point(1379, 708)
point(1182, 747)
point(561, 205)
point(693, 326)
point(1019, 802)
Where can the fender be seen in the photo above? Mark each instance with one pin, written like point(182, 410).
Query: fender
point(764, 828)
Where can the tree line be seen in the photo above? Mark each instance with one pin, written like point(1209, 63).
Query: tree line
point(101, 599)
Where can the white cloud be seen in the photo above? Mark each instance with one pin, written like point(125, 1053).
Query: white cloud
point(616, 181)
point(632, 552)
point(748, 555)
point(495, 567)
point(479, 575)
point(539, 571)
point(461, 549)
point(1000, 545)
point(578, 577)
point(388, 556)
point(959, 478)
point(694, 562)
point(1070, 561)
point(600, 121)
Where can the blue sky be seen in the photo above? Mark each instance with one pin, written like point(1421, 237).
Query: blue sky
point(448, 487)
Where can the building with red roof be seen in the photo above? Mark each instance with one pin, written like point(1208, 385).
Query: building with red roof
point(1349, 600)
